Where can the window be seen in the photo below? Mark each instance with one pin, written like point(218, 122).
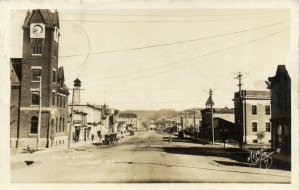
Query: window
point(267, 110)
point(36, 50)
point(35, 74)
point(57, 102)
point(254, 110)
point(56, 125)
point(254, 141)
point(268, 126)
point(63, 125)
point(59, 124)
point(60, 103)
point(54, 76)
point(35, 98)
point(254, 126)
point(37, 47)
point(53, 98)
point(63, 102)
point(34, 125)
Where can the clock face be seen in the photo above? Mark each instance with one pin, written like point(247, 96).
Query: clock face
point(37, 29)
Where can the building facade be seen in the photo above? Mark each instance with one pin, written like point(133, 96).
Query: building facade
point(252, 116)
point(223, 122)
point(39, 95)
point(280, 86)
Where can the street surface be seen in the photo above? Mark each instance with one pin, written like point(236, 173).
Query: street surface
point(134, 161)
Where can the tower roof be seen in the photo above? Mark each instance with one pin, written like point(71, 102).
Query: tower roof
point(42, 16)
point(209, 101)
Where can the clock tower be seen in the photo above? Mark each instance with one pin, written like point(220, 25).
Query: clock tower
point(43, 93)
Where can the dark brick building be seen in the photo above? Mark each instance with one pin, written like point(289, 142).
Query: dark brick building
point(280, 86)
point(223, 120)
point(38, 71)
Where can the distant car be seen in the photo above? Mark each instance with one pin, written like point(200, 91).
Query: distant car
point(131, 133)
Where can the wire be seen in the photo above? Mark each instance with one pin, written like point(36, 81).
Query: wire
point(169, 44)
point(184, 41)
point(168, 21)
point(189, 59)
point(158, 15)
point(220, 50)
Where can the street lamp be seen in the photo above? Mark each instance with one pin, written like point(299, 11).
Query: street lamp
point(77, 85)
point(210, 103)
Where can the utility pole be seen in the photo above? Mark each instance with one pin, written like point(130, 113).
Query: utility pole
point(70, 129)
point(212, 118)
point(40, 116)
point(242, 106)
point(195, 119)
point(184, 119)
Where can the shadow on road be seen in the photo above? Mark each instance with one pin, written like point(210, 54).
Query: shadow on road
point(201, 168)
point(185, 140)
point(231, 153)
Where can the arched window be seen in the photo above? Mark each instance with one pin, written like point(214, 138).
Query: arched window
point(34, 125)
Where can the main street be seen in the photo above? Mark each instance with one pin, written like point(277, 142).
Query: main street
point(136, 159)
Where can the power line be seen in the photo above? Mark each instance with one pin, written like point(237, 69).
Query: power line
point(166, 44)
point(180, 42)
point(160, 15)
point(167, 21)
point(203, 55)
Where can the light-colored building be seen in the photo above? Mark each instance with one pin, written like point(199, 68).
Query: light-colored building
point(252, 116)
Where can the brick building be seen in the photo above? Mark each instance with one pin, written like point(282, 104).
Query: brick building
point(280, 86)
point(252, 116)
point(35, 78)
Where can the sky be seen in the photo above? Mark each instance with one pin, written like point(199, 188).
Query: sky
point(157, 59)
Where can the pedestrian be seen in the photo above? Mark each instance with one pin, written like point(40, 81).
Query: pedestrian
point(52, 139)
point(170, 139)
point(93, 137)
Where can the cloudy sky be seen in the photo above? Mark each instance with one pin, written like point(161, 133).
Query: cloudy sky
point(153, 59)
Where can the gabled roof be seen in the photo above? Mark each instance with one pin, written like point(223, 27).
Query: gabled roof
point(42, 15)
point(281, 73)
point(15, 71)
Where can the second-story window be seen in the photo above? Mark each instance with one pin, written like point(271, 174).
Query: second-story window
point(267, 110)
point(35, 74)
point(254, 109)
point(54, 75)
point(53, 98)
point(35, 97)
point(254, 126)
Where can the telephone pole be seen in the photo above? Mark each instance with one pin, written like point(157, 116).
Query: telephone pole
point(242, 106)
point(212, 118)
point(40, 116)
point(195, 119)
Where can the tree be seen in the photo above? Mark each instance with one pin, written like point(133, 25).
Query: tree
point(260, 136)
